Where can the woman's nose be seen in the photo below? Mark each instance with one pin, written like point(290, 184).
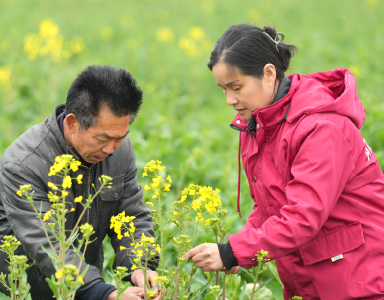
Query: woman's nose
point(231, 99)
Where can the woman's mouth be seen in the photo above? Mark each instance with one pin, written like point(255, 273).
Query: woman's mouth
point(239, 111)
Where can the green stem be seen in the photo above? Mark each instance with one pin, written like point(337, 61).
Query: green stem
point(254, 285)
point(82, 214)
point(45, 231)
point(225, 275)
point(189, 213)
point(217, 272)
point(161, 238)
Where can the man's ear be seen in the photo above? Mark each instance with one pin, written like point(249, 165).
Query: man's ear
point(72, 123)
point(270, 74)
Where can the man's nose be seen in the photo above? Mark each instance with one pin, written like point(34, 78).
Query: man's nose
point(109, 148)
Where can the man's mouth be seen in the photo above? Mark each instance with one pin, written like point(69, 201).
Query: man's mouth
point(99, 158)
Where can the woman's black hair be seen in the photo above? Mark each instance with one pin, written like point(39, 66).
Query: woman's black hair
point(249, 48)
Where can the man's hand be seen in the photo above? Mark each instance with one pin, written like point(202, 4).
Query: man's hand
point(131, 293)
point(206, 256)
point(137, 279)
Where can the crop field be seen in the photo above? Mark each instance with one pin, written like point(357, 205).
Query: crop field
point(184, 120)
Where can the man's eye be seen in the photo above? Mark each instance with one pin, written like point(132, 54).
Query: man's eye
point(101, 141)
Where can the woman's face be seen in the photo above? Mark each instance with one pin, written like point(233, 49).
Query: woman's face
point(245, 93)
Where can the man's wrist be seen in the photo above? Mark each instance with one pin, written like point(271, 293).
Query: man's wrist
point(112, 296)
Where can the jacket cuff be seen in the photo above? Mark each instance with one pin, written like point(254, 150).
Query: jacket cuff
point(99, 291)
point(227, 256)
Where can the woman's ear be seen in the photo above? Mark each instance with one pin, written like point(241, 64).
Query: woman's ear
point(269, 75)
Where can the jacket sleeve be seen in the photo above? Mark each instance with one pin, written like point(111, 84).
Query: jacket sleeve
point(27, 227)
point(320, 170)
point(133, 205)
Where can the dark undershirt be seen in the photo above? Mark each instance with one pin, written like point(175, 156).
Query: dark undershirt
point(100, 290)
point(226, 253)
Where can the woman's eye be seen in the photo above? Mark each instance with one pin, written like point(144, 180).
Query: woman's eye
point(236, 89)
point(224, 91)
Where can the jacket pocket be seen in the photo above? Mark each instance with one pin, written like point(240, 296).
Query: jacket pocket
point(116, 191)
point(331, 244)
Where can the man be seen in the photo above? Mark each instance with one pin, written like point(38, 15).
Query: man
point(92, 126)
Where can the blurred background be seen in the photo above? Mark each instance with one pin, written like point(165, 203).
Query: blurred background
point(184, 121)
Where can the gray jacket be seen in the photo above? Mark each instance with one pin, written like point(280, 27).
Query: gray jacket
point(27, 161)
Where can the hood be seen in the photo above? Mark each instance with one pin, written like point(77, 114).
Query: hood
point(331, 91)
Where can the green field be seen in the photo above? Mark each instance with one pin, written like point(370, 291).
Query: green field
point(184, 121)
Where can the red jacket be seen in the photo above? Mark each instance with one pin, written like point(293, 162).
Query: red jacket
point(318, 192)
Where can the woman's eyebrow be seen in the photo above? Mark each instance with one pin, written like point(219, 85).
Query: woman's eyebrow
point(230, 83)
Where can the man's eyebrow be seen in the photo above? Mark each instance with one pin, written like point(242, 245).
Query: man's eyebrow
point(104, 134)
point(230, 83)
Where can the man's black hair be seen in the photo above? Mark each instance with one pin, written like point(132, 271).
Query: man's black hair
point(103, 85)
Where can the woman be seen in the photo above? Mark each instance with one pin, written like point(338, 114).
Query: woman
point(317, 186)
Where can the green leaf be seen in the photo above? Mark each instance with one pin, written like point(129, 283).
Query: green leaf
point(50, 253)
point(52, 286)
point(11, 283)
point(73, 237)
point(277, 290)
point(273, 269)
point(247, 272)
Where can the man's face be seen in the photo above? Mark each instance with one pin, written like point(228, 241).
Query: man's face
point(97, 142)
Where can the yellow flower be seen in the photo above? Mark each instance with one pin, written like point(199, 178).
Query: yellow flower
point(147, 187)
point(154, 197)
point(64, 193)
point(119, 236)
point(175, 239)
point(126, 234)
point(72, 209)
point(78, 178)
point(166, 187)
point(74, 165)
point(47, 215)
point(145, 174)
point(164, 34)
point(59, 274)
point(156, 278)
point(169, 179)
point(122, 248)
point(196, 204)
point(52, 186)
point(149, 203)
point(19, 193)
point(80, 279)
point(79, 199)
point(134, 267)
point(158, 249)
point(197, 33)
point(67, 182)
point(8, 244)
point(150, 294)
point(132, 229)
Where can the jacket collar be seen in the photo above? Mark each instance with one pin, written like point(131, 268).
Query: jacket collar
point(269, 116)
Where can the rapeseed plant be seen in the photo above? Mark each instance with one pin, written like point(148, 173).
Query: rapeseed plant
point(67, 278)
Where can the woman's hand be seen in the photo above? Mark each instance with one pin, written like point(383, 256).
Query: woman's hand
point(206, 256)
